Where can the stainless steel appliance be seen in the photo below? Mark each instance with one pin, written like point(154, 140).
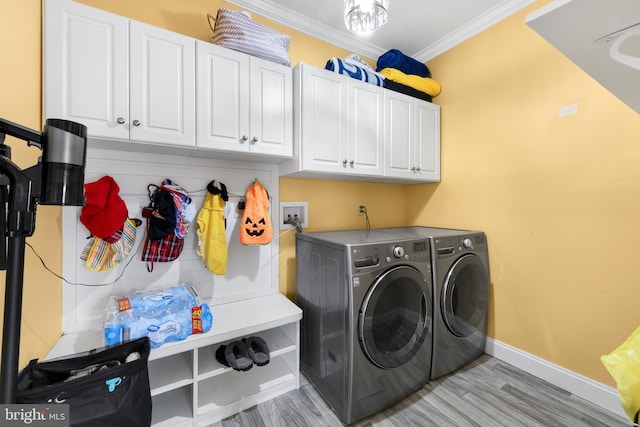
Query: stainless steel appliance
point(366, 334)
point(461, 282)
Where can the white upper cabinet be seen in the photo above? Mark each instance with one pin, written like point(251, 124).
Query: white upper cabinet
point(162, 86)
point(412, 138)
point(348, 129)
point(86, 67)
point(338, 125)
point(364, 128)
point(121, 78)
point(244, 103)
point(427, 151)
point(321, 137)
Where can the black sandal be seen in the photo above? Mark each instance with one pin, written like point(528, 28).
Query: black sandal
point(234, 355)
point(258, 350)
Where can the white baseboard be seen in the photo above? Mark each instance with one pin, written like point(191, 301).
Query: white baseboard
point(597, 393)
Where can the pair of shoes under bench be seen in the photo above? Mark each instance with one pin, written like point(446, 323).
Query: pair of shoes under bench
point(241, 355)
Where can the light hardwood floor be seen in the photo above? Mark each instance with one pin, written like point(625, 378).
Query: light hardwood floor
point(486, 393)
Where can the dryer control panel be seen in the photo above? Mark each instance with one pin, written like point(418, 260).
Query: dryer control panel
point(455, 245)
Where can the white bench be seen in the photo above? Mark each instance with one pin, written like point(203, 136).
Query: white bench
point(189, 387)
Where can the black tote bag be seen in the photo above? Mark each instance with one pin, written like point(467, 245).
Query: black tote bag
point(117, 395)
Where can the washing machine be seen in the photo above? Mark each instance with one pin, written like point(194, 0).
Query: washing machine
point(461, 280)
point(366, 330)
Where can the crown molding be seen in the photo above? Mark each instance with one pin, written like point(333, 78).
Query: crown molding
point(296, 21)
point(304, 24)
point(477, 25)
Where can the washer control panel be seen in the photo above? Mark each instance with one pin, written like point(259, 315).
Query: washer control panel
point(382, 255)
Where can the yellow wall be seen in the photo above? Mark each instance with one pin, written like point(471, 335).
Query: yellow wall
point(333, 206)
point(20, 89)
point(559, 198)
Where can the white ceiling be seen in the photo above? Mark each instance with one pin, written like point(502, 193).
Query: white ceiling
point(421, 29)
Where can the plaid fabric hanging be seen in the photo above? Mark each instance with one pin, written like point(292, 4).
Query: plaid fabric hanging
point(164, 250)
point(161, 243)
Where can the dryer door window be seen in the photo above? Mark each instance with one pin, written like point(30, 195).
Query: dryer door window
point(465, 296)
point(394, 317)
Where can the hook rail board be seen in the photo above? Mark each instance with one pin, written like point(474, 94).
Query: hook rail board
point(252, 270)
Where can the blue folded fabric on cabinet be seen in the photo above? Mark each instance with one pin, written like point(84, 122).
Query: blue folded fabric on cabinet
point(398, 60)
point(354, 71)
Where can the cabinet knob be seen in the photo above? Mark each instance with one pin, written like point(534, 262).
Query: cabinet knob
point(136, 122)
point(413, 168)
point(244, 138)
point(344, 162)
point(351, 163)
point(120, 120)
point(418, 169)
point(254, 139)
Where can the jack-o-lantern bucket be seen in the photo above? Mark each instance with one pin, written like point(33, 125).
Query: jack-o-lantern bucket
point(256, 228)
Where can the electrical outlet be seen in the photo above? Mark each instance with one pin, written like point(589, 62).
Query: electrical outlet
point(361, 208)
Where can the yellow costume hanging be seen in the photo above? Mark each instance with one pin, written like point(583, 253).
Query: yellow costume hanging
point(210, 229)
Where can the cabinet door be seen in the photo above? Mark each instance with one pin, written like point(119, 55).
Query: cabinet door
point(427, 149)
point(85, 68)
point(399, 135)
point(223, 98)
point(162, 93)
point(364, 129)
point(323, 127)
point(271, 106)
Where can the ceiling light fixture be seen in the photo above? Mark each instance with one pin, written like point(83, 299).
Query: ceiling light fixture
point(365, 15)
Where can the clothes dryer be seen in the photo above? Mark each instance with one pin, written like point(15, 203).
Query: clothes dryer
point(366, 330)
point(461, 281)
